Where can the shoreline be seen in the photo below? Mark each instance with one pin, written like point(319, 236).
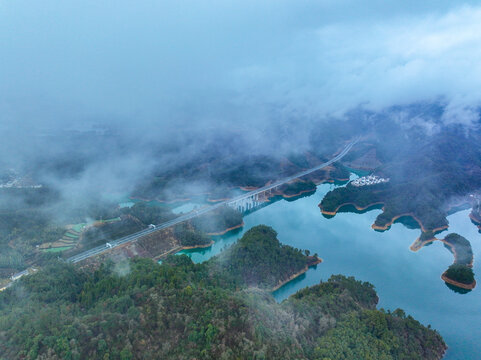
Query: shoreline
point(477, 221)
point(174, 249)
point(289, 196)
point(226, 230)
point(414, 217)
point(296, 275)
point(474, 220)
point(160, 201)
point(388, 224)
point(242, 188)
point(333, 180)
point(458, 284)
point(217, 200)
point(358, 208)
point(285, 196)
point(177, 249)
point(202, 246)
point(418, 245)
point(249, 188)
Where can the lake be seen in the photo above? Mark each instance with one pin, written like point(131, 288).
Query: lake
point(402, 278)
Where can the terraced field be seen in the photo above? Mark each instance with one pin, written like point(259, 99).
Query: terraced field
point(68, 240)
point(72, 236)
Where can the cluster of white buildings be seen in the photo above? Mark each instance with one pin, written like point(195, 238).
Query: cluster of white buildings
point(369, 180)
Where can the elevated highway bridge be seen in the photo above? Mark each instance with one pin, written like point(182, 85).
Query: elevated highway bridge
point(243, 202)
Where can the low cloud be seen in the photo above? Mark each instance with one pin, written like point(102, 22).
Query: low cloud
point(154, 84)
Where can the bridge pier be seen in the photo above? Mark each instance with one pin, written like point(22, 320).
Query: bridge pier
point(246, 204)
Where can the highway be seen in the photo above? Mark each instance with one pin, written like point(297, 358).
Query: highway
point(114, 243)
point(293, 177)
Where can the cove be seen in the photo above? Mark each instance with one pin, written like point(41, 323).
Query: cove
point(403, 279)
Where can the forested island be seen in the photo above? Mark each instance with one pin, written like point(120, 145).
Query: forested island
point(460, 274)
point(461, 248)
point(138, 309)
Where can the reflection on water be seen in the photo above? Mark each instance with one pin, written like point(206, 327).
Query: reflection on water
point(349, 208)
point(457, 289)
point(408, 222)
point(403, 279)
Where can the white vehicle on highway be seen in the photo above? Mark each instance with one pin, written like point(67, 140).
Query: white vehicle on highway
point(109, 245)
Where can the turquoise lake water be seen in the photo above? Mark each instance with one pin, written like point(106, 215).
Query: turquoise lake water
point(403, 279)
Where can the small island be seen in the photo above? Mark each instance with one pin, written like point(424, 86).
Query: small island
point(461, 249)
point(460, 273)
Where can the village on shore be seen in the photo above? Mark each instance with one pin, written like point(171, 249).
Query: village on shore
point(369, 180)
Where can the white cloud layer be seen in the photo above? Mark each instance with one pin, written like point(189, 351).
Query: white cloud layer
point(225, 64)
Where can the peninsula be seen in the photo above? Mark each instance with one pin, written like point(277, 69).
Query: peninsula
point(421, 178)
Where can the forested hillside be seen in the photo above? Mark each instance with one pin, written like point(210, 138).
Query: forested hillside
point(180, 310)
point(259, 259)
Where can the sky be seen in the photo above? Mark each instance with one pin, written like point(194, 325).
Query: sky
point(155, 71)
point(74, 63)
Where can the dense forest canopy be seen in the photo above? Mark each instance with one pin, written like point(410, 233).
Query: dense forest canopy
point(259, 259)
point(460, 273)
point(120, 116)
point(203, 311)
